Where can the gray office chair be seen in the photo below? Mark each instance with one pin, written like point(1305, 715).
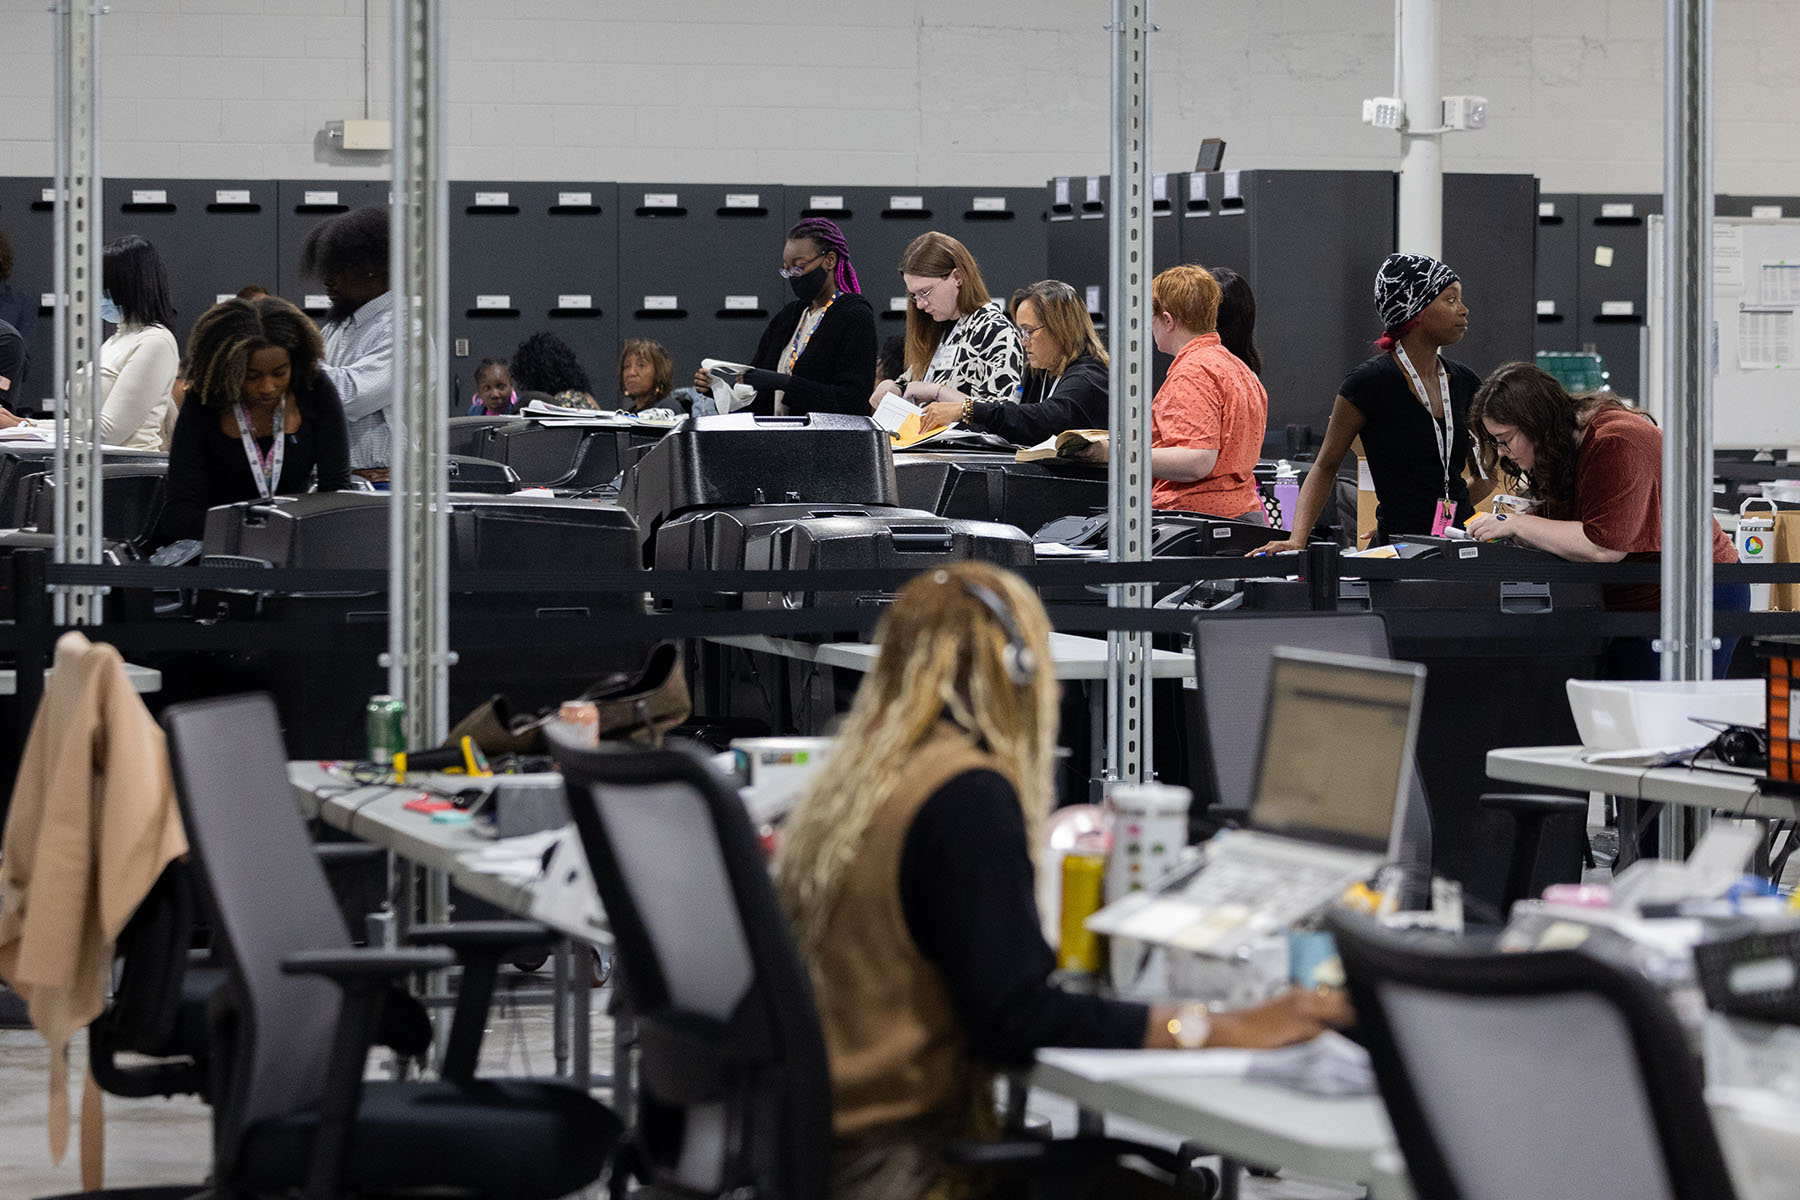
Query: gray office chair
point(1232, 675)
point(1547, 1074)
point(291, 1029)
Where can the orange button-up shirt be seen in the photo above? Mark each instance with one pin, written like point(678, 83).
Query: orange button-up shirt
point(1211, 401)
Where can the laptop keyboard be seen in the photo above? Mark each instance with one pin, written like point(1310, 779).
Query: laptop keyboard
point(1265, 890)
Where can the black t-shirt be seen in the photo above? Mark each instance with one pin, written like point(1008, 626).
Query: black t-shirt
point(966, 891)
point(207, 468)
point(1076, 399)
point(1400, 443)
point(12, 365)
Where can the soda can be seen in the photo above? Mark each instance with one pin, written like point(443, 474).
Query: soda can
point(1083, 879)
point(387, 729)
point(581, 721)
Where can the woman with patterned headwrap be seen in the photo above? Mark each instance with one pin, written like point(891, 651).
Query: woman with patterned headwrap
point(1410, 406)
point(818, 353)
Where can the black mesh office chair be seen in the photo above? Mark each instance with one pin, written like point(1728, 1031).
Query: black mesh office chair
point(292, 1026)
point(734, 1092)
point(1548, 1074)
point(1232, 675)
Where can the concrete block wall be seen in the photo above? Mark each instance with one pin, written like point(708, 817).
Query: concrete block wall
point(898, 92)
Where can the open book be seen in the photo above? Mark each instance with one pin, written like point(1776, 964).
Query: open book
point(1067, 444)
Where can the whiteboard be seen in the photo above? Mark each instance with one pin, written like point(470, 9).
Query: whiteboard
point(1756, 332)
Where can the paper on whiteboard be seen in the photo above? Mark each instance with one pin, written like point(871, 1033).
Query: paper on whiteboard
point(1780, 283)
point(1728, 258)
point(1766, 338)
point(893, 410)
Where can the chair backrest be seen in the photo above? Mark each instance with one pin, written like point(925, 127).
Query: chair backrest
point(1546, 1074)
point(1232, 675)
point(734, 1090)
point(268, 898)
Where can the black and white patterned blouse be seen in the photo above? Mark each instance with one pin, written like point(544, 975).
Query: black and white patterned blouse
point(979, 356)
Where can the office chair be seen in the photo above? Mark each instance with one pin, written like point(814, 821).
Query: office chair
point(291, 1028)
point(1544, 1074)
point(1232, 675)
point(734, 1092)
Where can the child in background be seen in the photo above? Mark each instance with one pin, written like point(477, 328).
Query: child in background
point(494, 395)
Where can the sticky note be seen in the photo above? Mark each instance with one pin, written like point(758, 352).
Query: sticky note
point(1603, 256)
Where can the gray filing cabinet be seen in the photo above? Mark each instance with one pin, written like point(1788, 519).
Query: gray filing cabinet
point(302, 205)
point(27, 219)
point(1490, 223)
point(530, 258)
point(1612, 262)
point(878, 223)
point(1556, 277)
point(697, 267)
point(1004, 228)
point(215, 236)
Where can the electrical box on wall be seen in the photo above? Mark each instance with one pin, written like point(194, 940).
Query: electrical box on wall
point(361, 135)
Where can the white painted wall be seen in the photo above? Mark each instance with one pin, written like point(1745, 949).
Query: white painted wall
point(998, 92)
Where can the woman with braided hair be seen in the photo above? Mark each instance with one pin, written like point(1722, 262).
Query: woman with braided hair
point(818, 353)
point(259, 419)
point(906, 874)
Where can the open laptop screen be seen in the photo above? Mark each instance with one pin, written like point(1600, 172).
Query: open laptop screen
point(1337, 748)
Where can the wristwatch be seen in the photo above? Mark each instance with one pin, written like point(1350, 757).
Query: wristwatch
point(1191, 1026)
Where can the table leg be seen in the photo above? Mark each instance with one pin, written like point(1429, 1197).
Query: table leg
point(581, 1002)
point(1090, 1122)
point(1629, 833)
point(559, 1018)
point(1097, 764)
point(624, 1084)
point(1231, 1178)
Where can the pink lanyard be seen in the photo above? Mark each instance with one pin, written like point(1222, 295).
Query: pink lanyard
point(264, 468)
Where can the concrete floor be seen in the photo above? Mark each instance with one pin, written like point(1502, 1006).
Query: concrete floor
point(150, 1142)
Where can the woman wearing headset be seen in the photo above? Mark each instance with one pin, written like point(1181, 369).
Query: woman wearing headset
point(907, 875)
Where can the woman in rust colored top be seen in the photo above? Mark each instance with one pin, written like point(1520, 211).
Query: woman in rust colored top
point(1594, 466)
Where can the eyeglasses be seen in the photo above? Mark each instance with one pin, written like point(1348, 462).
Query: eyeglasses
point(800, 268)
point(923, 294)
point(1027, 332)
point(1504, 444)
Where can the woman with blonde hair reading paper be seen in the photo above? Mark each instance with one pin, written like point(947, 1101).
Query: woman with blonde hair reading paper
point(1066, 378)
point(960, 348)
point(907, 875)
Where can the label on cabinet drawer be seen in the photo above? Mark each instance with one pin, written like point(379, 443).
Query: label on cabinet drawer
point(988, 204)
point(316, 301)
point(149, 196)
point(1546, 308)
point(493, 302)
point(740, 304)
point(662, 200)
point(1618, 308)
point(661, 303)
point(575, 199)
point(575, 300)
point(827, 203)
point(907, 203)
point(313, 199)
point(1618, 212)
point(231, 196)
point(742, 200)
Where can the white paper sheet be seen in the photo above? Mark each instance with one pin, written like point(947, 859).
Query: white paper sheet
point(1780, 283)
point(1766, 338)
point(1728, 258)
point(893, 410)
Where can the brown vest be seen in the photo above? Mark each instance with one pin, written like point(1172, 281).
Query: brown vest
point(896, 1050)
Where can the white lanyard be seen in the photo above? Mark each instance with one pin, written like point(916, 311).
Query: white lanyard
point(264, 468)
point(1440, 429)
point(1054, 384)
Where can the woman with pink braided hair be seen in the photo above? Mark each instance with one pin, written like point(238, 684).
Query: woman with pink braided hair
point(818, 353)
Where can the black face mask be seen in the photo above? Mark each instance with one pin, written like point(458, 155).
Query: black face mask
point(808, 286)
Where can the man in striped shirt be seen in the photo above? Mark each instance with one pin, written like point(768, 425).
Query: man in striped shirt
point(349, 256)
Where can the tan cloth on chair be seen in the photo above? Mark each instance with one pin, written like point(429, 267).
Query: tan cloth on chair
point(1785, 597)
point(92, 824)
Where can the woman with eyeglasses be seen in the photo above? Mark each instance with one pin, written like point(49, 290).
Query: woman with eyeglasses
point(818, 352)
point(1593, 466)
point(1065, 379)
point(1409, 404)
point(960, 348)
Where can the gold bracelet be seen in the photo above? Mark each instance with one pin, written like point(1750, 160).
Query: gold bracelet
point(968, 412)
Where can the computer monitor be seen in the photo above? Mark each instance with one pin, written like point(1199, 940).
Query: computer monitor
point(1337, 748)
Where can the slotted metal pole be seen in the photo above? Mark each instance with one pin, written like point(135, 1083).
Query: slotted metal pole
point(418, 627)
point(75, 467)
point(1128, 748)
point(1687, 268)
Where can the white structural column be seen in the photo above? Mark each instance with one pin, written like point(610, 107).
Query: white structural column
point(1421, 214)
point(1128, 748)
point(76, 465)
point(1687, 316)
point(418, 624)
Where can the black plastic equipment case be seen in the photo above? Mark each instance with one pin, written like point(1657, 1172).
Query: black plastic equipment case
point(1195, 535)
point(996, 487)
point(18, 463)
point(118, 604)
point(740, 458)
point(320, 690)
point(481, 476)
point(896, 538)
point(714, 539)
point(131, 501)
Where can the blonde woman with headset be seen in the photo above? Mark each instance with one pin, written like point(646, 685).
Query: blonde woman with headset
point(907, 875)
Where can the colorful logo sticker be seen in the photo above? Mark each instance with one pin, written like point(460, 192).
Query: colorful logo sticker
point(1753, 545)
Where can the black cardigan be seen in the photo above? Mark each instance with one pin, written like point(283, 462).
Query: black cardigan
point(207, 468)
point(1076, 399)
point(836, 371)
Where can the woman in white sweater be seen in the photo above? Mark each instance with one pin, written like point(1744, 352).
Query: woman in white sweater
point(139, 361)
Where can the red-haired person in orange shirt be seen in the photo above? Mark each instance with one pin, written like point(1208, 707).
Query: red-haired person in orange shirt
point(1208, 419)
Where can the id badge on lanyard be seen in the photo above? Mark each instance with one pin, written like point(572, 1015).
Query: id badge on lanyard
point(1443, 512)
point(265, 469)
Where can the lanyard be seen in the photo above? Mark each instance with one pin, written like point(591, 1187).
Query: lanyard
point(264, 468)
point(803, 334)
point(1440, 429)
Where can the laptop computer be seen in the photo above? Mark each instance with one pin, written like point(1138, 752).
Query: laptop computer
point(1333, 767)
